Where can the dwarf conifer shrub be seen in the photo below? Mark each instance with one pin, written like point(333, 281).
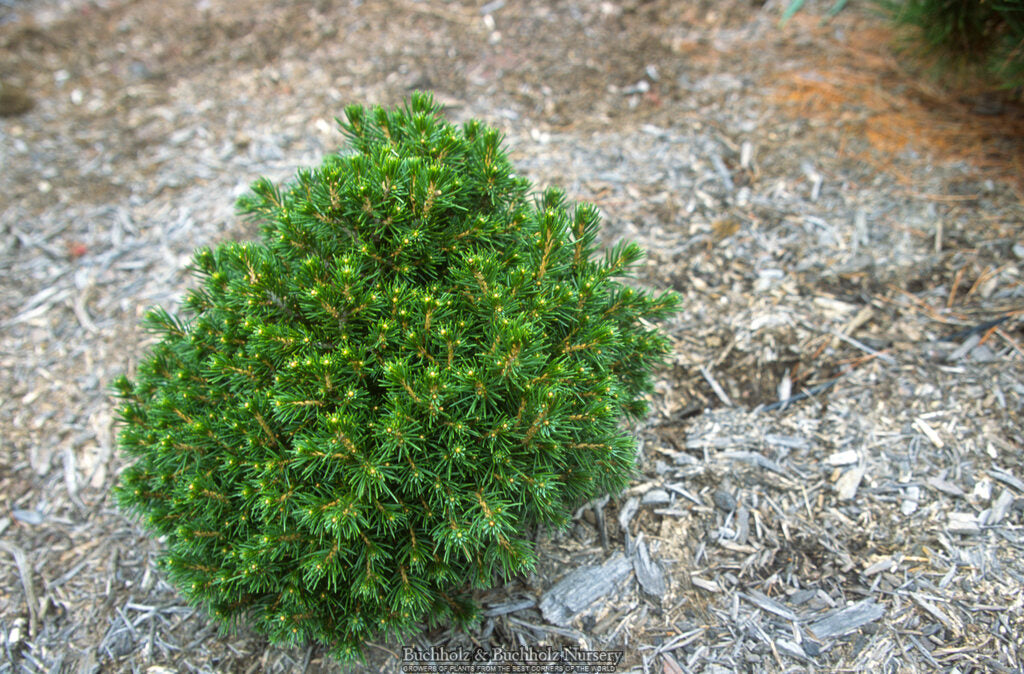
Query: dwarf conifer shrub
point(356, 420)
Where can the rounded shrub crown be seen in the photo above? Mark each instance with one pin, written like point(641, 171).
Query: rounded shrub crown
point(359, 416)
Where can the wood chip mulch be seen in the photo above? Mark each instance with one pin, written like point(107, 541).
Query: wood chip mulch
point(832, 475)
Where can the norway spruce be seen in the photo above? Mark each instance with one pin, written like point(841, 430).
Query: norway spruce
point(357, 419)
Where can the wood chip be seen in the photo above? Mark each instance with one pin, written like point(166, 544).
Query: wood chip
point(963, 523)
point(790, 648)
point(945, 487)
point(656, 497)
point(864, 347)
point(505, 608)
point(844, 458)
point(742, 525)
point(1007, 478)
point(1001, 507)
point(951, 623)
point(755, 459)
point(768, 604)
point(670, 664)
point(685, 493)
point(846, 485)
point(25, 572)
point(884, 564)
point(705, 584)
point(715, 386)
point(33, 517)
point(788, 441)
point(581, 588)
point(911, 497)
point(648, 572)
point(922, 425)
point(627, 511)
point(847, 620)
point(982, 491)
point(736, 547)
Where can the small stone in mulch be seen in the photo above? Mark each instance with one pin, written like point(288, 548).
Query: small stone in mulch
point(724, 500)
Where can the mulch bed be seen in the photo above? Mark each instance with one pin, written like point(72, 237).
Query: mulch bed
point(832, 476)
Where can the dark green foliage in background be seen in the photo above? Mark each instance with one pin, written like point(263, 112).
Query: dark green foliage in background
point(973, 44)
point(358, 418)
point(979, 42)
